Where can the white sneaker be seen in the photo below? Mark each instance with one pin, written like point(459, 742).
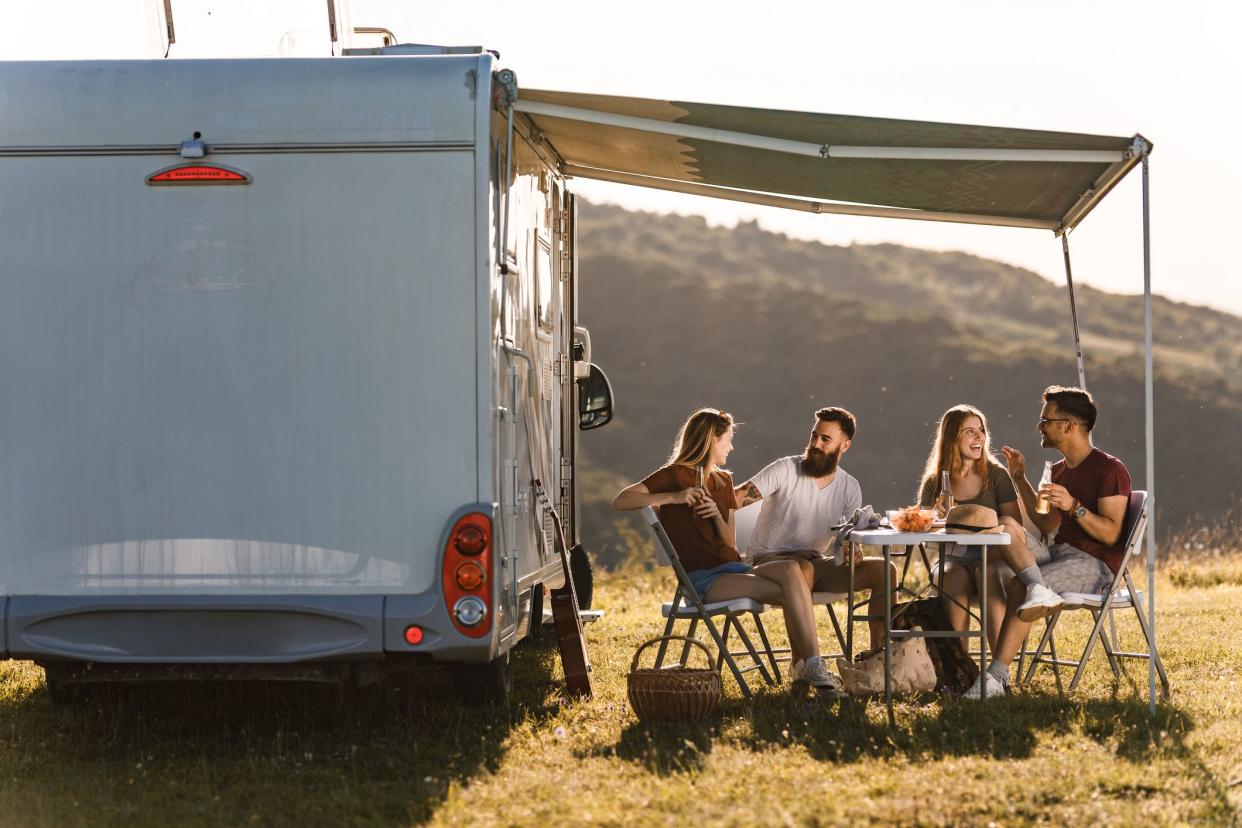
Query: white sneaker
point(986, 686)
point(1040, 603)
point(814, 672)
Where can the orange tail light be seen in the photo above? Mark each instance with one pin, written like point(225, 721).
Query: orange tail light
point(467, 575)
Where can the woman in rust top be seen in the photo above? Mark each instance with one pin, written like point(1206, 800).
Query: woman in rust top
point(699, 522)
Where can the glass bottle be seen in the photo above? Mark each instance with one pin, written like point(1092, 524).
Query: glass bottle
point(1042, 504)
point(946, 492)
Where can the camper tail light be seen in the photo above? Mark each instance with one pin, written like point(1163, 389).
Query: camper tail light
point(470, 576)
point(470, 540)
point(197, 174)
point(413, 635)
point(467, 574)
point(470, 611)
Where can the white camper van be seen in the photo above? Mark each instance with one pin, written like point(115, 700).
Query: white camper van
point(283, 346)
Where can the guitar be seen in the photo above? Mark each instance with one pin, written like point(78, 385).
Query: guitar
point(574, 659)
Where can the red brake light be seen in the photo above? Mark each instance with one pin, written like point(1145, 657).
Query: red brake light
point(198, 174)
point(413, 635)
point(470, 540)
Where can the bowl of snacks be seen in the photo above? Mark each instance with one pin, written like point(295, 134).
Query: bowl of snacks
point(912, 519)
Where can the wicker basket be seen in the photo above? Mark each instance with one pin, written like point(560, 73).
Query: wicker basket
point(673, 693)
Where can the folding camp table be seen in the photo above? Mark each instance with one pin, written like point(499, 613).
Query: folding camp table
point(886, 539)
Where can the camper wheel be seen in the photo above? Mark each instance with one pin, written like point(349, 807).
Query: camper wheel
point(584, 578)
point(492, 681)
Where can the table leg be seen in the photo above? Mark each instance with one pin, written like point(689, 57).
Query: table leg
point(888, 626)
point(983, 617)
point(849, 614)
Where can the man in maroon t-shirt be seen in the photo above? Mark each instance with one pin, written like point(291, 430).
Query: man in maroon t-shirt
point(1089, 493)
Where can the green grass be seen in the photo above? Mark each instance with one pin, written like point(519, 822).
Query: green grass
point(297, 756)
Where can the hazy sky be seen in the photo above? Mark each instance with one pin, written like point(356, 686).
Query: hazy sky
point(1168, 70)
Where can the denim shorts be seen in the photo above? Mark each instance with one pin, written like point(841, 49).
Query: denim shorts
point(969, 556)
point(704, 578)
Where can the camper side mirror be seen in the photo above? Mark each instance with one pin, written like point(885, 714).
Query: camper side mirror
point(594, 400)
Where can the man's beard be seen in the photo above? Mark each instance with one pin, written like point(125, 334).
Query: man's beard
point(816, 463)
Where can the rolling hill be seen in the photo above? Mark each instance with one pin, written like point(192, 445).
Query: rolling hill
point(770, 328)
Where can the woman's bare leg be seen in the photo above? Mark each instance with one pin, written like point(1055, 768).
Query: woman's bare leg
point(957, 588)
point(996, 604)
point(776, 582)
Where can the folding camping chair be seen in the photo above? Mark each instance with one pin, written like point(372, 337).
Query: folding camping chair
point(1121, 594)
point(744, 525)
point(687, 604)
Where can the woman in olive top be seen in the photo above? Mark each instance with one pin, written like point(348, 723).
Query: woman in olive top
point(963, 447)
point(699, 521)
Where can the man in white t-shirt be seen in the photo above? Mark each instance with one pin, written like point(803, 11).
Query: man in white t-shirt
point(803, 498)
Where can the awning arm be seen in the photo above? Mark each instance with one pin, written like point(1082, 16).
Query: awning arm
point(1105, 183)
point(1069, 283)
point(766, 142)
point(789, 203)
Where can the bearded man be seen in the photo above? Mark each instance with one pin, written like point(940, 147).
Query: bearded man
point(804, 497)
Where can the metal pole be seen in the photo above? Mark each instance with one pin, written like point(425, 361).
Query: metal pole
point(816, 150)
point(1151, 443)
point(983, 624)
point(888, 639)
point(1069, 282)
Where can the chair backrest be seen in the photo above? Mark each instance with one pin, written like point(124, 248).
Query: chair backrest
point(744, 521)
point(1132, 530)
point(665, 545)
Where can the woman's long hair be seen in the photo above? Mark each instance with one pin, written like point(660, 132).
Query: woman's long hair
point(944, 455)
point(697, 436)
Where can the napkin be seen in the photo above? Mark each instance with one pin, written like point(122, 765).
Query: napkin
point(864, 517)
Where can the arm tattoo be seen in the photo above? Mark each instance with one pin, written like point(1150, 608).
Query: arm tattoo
point(751, 495)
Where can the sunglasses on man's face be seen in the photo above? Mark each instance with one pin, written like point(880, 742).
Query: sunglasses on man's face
point(1043, 421)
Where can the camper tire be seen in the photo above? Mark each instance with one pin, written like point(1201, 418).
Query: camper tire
point(584, 577)
point(492, 681)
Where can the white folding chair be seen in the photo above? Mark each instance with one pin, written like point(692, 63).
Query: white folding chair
point(744, 520)
point(1121, 595)
point(687, 604)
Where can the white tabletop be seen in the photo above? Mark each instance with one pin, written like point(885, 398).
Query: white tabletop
point(891, 537)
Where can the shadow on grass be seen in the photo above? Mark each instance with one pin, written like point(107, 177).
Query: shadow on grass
point(850, 729)
point(261, 754)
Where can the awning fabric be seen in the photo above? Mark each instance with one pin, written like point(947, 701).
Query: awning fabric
point(950, 172)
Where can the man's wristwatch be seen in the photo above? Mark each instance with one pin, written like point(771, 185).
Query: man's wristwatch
point(1079, 511)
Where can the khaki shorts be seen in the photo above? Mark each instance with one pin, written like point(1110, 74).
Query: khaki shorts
point(1064, 568)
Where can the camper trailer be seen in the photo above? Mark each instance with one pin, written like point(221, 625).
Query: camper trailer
point(291, 381)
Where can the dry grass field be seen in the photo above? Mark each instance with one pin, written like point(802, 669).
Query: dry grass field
point(414, 755)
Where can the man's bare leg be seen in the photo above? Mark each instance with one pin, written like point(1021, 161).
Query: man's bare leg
point(1017, 554)
point(1013, 629)
point(997, 603)
point(868, 575)
point(1037, 601)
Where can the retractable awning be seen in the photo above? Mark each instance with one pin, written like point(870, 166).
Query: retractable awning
point(835, 163)
point(862, 166)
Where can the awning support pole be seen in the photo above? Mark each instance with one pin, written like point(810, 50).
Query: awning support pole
point(1069, 282)
point(1151, 442)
